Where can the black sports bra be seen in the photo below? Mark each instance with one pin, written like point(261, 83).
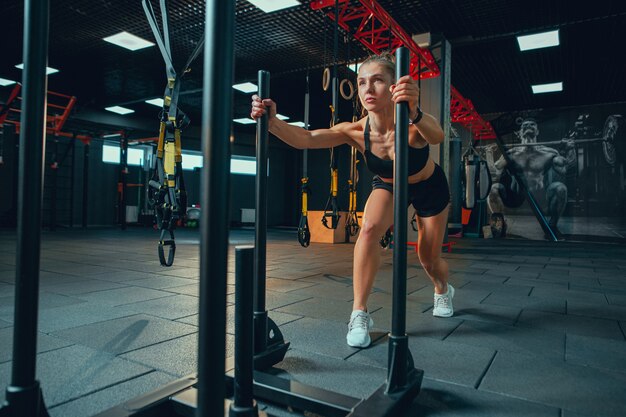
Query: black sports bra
point(384, 167)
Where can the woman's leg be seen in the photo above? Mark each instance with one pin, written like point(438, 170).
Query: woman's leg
point(431, 231)
point(429, 241)
point(377, 217)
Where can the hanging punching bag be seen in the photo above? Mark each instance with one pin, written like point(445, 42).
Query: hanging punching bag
point(469, 182)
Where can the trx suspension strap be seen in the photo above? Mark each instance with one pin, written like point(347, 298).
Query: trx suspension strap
point(332, 207)
point(304, 235)
point(352, 221)
point(168, 195)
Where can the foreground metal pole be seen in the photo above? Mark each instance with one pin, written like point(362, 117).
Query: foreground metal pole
point(215, 189)
point(243, 404)
point(23, 396)
point(398, 341)
point(260, 226)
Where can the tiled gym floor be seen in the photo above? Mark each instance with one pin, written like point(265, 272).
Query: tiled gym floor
point(539, 328)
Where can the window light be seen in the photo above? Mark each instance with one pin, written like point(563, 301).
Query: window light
point(281, 117)
point(244, 121)
point(246, 87)
point(299, 124)
point(547, 88)
point(5, 82)
point(155, 102)
point(538, 40)
point(119, 110)
point(49, 70)
point(269, 6)
point(128, 41)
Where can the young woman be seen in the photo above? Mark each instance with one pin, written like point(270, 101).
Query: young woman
point(373, 135)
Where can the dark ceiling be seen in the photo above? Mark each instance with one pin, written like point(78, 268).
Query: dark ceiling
point(487, 68)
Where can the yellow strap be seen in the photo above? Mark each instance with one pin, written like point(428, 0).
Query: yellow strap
point(161, 138)
point(334, 183)
point(178, 153)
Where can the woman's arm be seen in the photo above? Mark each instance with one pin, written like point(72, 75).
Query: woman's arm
point(406, 90)
point(296, 136)
point(430, 129)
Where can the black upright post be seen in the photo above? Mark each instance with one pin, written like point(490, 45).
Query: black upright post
point(260, 236)
point(217, 103)
point(243, 404)
point(23, 395)
point(123, 181)
point(398, 340)
point(85, 185)
point(72, 181)
point(269, 344)
point(53, 186)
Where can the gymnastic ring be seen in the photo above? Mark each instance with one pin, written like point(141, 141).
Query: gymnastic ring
point(326, 79)
point(350, 85)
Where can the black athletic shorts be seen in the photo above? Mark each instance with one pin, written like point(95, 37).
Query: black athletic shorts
point(429, 197)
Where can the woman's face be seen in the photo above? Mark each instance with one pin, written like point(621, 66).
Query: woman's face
point(373, 82)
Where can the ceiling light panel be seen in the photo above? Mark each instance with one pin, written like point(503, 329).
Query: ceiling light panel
point(269, 6)
point(547, 88)
point(538, 40)
point(128, 41)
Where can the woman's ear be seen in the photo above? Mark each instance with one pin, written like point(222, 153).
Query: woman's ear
point(392, 87)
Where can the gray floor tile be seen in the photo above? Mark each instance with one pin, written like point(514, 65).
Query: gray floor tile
point(46, 301)
point(6, 290)
point(618, 300)
point(333, 291)
point(508, 338)
point(565, 323)
point(193, 273)
point(44, 343)
point(441, 360)
point(418, 324)
point(105, 399)
point(323, 337)
point(557, 383)
point(173, 307)
point(126, 334)
point(124, 276)
point(572, 295)
point(284, 285)
point(75, 371)
point(596, 352)
point(160, 282)
point(190, 289)
point(580, 308)
point(83, 287)
point(177, 357)
point(451, 400)
point(550, 304)
point(500, 289)
point(331, 374)
point(122, 296)
point(322, 308)
point(77, 315)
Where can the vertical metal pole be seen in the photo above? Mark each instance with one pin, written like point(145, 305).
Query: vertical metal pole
point(23, 396)
point(72, 181)
point(305, 153)
point(54, 185)
point(121, 210)
point(260, 237)
point(243, 404)
point(85, 184)
point(217, 103)
point(398, 341)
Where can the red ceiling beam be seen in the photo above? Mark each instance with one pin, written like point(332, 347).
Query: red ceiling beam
point(371, 25)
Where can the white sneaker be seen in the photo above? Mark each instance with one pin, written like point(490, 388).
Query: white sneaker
point(358, 329)
point(442, 306)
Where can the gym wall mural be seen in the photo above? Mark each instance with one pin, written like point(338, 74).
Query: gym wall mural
point(573, 164)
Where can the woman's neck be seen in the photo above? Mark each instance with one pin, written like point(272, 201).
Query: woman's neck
point(382, 122)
